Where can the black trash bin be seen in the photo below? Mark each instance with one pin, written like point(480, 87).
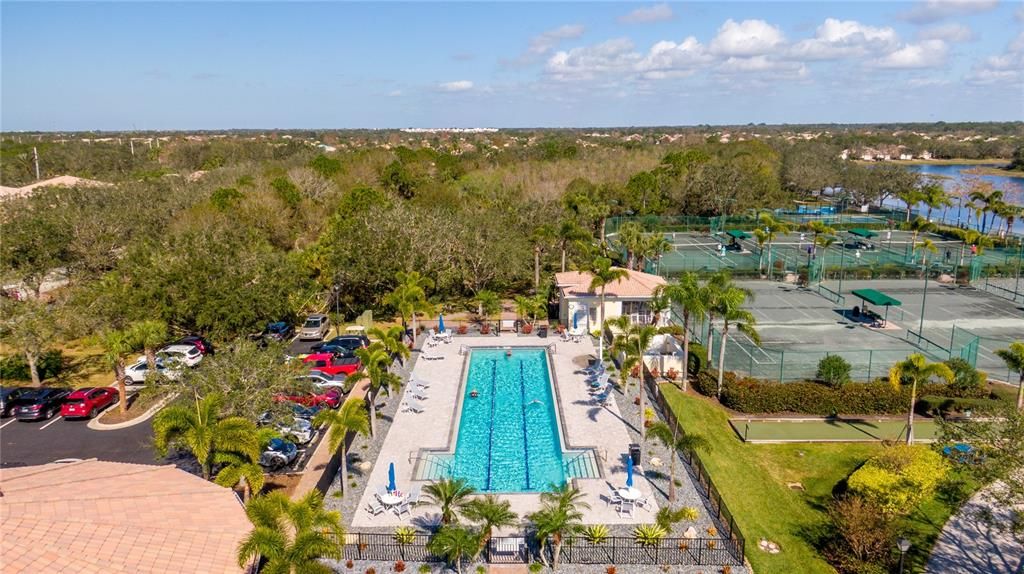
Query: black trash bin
point(634, 453)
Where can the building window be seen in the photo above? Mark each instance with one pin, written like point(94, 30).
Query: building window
point(637, 311)
point(593, 315)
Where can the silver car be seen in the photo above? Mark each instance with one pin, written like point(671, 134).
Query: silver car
point(315, 328)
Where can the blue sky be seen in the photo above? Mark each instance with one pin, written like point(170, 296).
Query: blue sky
point(155, 65)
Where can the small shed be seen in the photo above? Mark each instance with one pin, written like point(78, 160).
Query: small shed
point(876, 298)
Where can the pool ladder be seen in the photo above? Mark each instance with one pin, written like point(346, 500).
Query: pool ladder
point(583, 464)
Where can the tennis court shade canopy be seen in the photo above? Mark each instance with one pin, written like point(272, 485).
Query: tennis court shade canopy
point(876, 298)
point(737, 234)
point(865, 233)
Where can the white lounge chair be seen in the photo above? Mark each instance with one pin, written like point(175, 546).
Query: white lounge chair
point(402, 507)
point(431, 356)
point(613, 496)
point(382, 491)
point(420, 383)
point(414, 496)
point(444, 337)
point(643, 502)
point(375, 507)
point(411, 405)
point(419, 394)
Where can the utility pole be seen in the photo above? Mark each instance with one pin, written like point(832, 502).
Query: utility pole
point(35, 159)
point(131, 146)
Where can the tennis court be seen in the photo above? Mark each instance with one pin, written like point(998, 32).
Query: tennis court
point(784, 430)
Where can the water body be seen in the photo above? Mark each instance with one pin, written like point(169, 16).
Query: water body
point(956, 176)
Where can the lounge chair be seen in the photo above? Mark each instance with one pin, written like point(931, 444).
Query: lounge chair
point(381, 491)
point(402, 507)
point(600, 399)
point(414, 497)
point(411, 405)
point(626, 509)
point(613, 495)
point(430, 356)
point(642, 502)
point(420, 382)
point(444, 337)
point(375, 507)
point(419, 394)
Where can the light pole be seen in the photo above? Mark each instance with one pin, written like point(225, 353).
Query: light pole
point(904, 546)
point(842, 259)
point(924, 271)
point(336, 291)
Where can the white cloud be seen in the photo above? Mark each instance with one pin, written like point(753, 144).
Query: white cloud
point(926, 54)
point(779, 69)
point(951, 32)
point(668, 59)
point(934, 10)
point(394, 93)
point(656, 13)
point(588, 62)
point(844, 38)
point(1019, 14)
point(456, 86)
point(1007, 67)
point(747, 38)
point(543, 43)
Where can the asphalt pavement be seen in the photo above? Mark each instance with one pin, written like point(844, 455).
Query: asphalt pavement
point(40, 442)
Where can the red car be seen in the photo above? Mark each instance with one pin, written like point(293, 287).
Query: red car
point(332, 364)
point(325, 397)
point(87, 402)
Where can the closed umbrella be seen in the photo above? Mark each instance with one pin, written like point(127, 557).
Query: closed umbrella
point(575, 321)
point(440, 323)
point(391, 478)
point(629, 473)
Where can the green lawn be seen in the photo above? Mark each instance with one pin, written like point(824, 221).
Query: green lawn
point(841, 430)
point(753, 478)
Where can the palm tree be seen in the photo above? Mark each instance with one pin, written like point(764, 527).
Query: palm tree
point(248, 474)
point(709, 294)
point(1008, 213)
point(375, 360)
point(558, 517)
point(149, 335)
point(603, 274)
point(675, 443)
point(660, 303)
point(687, 294)
point(918, 226)
point(203, 433)
point(541, 238)
point(915, 370)
point(488, 304)
point(652, 248)
point(632, 341)
point(770, 228)
point(490, 512)
point(925, 246)
point(630, 240)
point(450, 495)
point(570, 232)
point(391, 339)
point(911, 197)
point(454, 543)
point(984, 203)
point(350, 418)
point(292, 536)
point(410, 297)
point(116, 344)
point(1014, 359)
point(730, 308)
point(817, 228)
point(934, 196)
point(972, 237)
point(525, 307)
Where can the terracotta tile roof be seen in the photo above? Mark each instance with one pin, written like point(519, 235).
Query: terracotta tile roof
point(93, 516)
point(638, 284)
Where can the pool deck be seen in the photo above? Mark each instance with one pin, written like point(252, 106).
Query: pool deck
point(584, 425)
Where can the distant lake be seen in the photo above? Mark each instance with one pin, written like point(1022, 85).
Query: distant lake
point(953, 175)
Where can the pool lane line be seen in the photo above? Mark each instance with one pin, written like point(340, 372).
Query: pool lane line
point(490, 437)
point(526, 444)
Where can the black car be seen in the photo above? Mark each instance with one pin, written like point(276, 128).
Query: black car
point(205, 346)
point(39, 403)
point(7, 397)
point(344, 345)
point(279, 331)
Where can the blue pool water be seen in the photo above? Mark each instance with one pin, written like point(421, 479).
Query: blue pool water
point(508, 434)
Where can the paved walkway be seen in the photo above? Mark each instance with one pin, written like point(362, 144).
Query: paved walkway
point(584, 425)
point(968, 545)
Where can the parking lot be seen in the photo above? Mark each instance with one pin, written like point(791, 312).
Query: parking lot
point(31, 443)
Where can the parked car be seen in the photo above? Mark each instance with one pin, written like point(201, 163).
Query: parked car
point(188, 355)
point(135, 374)
point(41, 403)
point(324, 397)
point(277, 332)
point(7, 397)
point(205, 347)
point(315, 328)
point(347, 342)
point(279, 454)
point(299, 431)
point(87, 402)
point(858, 244)
point(323, 380)
point(333, 364)
point(304, 412)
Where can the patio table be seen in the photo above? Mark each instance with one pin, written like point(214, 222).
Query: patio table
point(392, 498)
point(630, 494)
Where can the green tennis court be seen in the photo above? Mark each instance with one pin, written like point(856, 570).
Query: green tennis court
point(830, 430)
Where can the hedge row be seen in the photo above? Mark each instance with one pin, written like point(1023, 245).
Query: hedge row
point(748, 395)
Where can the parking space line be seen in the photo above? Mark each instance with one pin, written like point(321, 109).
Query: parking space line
point(55, 419)
point(8, 422)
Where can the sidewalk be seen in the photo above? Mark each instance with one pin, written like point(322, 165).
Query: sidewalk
point(968, 545)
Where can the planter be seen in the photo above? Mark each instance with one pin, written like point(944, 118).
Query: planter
point(527, 329)
point(462, 329)
point(485, 329)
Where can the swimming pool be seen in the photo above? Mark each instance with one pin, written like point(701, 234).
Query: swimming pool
point(508, 439)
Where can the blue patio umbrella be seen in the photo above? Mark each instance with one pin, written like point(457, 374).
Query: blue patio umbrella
point(575, 320)
point(629, 473)
point(391, 478)
point(440, 323)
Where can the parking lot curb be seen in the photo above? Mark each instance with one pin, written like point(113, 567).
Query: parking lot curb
point(95, 423)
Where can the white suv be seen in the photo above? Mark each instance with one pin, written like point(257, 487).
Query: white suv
point(188, 355)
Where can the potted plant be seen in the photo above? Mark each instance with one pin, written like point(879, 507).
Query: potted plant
point(672, 374)
point(462, 329)
point(655, 372)
point(648, 417)
point(485, 329)
point(527, 328)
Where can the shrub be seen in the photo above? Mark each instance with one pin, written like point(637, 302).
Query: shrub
point(425, 568)
point(404, 535)
point(400, 566)
point(536, 567)
point(968, 382)
point(943, 406)
point(596, 533)
point(15, 367)
point(861, 536)
point(834, 371)
point(667, 517)
point(696, 361)
point(899, 478)
point(649, 534)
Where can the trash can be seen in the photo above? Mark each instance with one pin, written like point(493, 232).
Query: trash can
point(634, 453)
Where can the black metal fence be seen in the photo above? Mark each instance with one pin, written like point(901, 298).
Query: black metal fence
point(703, 481)
point(387, 547)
